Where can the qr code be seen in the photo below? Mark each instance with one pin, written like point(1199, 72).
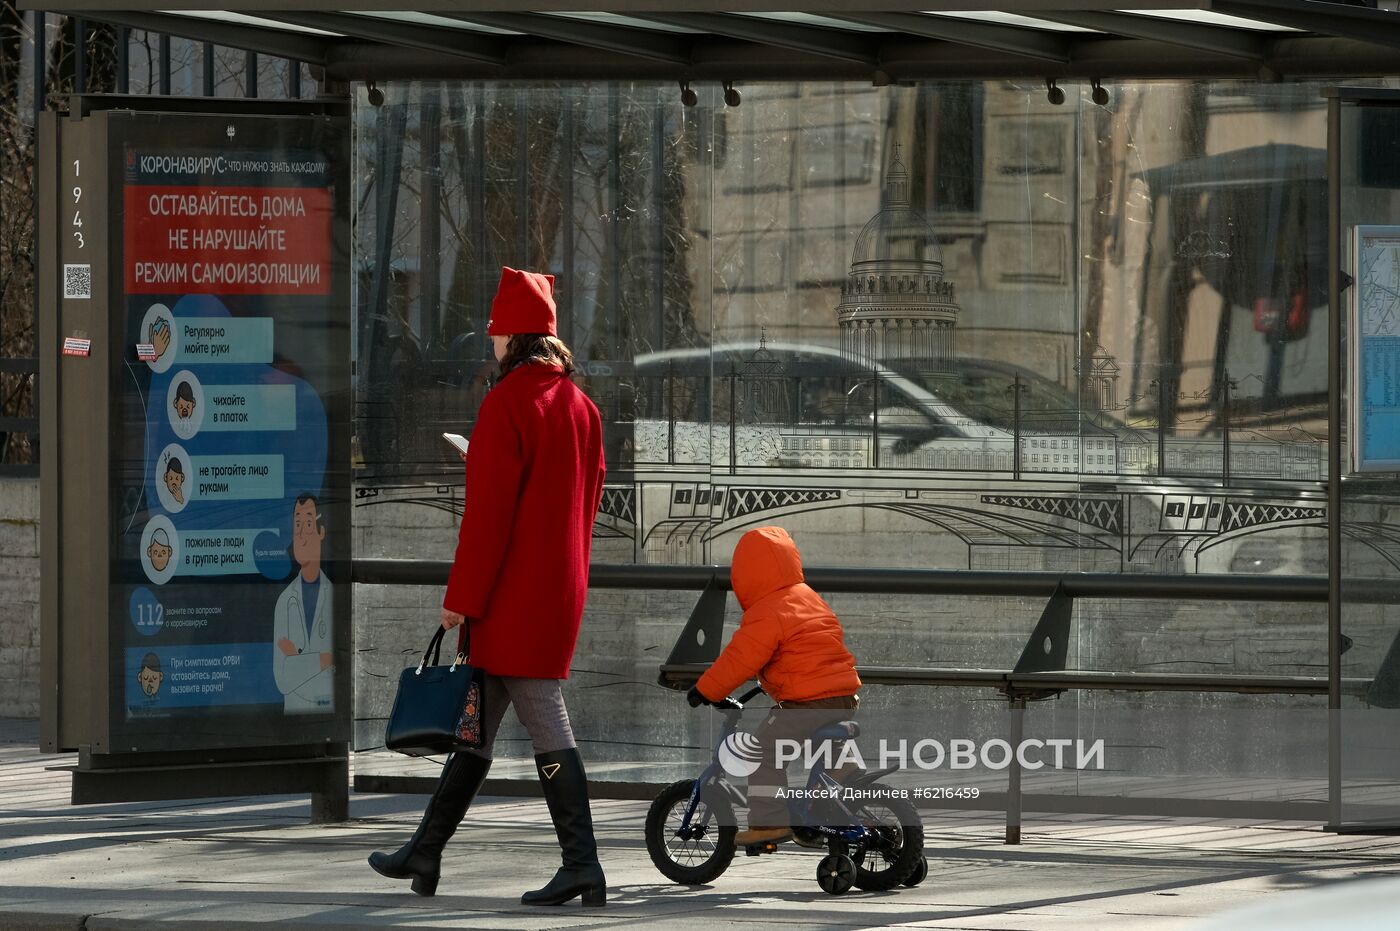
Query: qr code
point(77, 282)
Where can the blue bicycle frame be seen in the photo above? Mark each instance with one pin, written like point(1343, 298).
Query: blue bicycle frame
point(820, 785)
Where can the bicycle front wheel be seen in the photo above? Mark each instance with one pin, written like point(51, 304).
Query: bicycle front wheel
point(708, 850)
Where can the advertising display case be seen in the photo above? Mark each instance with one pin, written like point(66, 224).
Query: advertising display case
point(197, 596)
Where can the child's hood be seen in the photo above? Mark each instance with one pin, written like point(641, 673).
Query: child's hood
point(765, 561)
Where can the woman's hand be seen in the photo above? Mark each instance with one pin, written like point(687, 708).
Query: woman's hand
point(451, 619)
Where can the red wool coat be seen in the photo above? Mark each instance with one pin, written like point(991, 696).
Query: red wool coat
point(534, 480)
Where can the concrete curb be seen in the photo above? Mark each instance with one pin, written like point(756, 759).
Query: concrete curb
point(12, 920)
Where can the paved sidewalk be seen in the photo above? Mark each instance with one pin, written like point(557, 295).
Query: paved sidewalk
point(244, 862)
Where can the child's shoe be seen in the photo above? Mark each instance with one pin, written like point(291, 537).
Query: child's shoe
point(761, 835)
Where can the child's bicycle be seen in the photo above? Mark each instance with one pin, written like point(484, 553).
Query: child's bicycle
point(876, 844)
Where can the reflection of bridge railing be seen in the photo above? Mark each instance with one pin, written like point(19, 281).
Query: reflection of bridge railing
point(902, 445)
point(1038, 673)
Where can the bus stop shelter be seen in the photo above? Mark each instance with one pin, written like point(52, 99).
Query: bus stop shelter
point(1057, 44)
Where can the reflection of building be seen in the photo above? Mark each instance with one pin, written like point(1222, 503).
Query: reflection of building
point(763, 394)
point(895, 303)
point(1099, 380)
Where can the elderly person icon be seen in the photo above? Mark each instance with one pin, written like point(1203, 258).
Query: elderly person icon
point(159, 550)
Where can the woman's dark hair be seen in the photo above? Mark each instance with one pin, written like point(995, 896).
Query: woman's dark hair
point(536, 349)
point(174, 465)
point(184, 392)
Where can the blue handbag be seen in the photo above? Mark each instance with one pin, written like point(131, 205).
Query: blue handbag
point(438, 709)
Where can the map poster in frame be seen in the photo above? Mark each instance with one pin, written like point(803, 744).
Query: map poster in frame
point(1374, 350)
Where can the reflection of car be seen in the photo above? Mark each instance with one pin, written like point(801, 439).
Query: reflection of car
point(806, 406)
point(1005, 460)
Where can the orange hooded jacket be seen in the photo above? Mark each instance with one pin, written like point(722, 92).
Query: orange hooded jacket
point(789, 637)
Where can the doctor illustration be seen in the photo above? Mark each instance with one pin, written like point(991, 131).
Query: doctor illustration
point(303, 662)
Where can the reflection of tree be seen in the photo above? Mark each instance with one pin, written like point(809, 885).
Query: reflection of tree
point(17, 192)
point(99, 64)
point(1167, 284)
point(586, 182)
point(16, 236)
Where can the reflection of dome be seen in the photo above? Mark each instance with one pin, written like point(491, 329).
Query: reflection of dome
point(895, 303)
point(900, 234)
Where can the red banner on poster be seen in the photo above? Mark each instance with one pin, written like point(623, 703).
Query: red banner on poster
point(228, 240)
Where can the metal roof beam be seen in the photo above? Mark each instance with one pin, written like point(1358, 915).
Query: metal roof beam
point(638, 43)
point(627, 7)
point(409, 35)
point(1326, 19)
point(1107, 58)
point(1012, 39)
point(268, 41)
point(813, 40)
point(1214, 39)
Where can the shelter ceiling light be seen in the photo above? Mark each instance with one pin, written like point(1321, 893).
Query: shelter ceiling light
point(1053, 92)
point(731, 96)
point(688, 97)
point(1100, 93)
point(374, 94)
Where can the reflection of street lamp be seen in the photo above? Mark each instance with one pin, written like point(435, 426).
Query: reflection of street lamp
point(874, 383)
point(1015, 389)
point(1161, 385)
point(733, 397)
point(671, 411)
point(1227, 384)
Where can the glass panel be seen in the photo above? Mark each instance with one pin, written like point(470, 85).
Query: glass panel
point(143, 61)
point(186, 67)
point(944, 326)
point(230, 71)
point(17, 330)
point(1370, 218)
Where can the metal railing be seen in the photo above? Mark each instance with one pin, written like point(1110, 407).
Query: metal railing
point(1039, 671)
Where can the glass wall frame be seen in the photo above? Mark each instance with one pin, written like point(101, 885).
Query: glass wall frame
point(948, 325)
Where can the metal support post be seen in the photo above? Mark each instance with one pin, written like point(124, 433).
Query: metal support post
point(1334, 460)
point(1017, 709)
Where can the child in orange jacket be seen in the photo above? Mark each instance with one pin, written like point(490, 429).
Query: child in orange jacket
point(790, 639)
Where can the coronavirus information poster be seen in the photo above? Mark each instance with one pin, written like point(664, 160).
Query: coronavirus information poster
point(230, 583)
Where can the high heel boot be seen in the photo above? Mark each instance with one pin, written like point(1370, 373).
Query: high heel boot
point(566, 791)
point(421, 858)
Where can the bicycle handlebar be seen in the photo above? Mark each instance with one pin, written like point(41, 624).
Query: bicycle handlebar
point(751, 694)
point(737, 704)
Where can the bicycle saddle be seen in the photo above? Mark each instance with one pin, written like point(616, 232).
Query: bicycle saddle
point(843, 730)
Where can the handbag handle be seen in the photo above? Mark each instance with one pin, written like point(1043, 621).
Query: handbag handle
point(433, 654)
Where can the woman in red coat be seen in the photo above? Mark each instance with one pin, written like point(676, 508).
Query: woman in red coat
point(519, 580)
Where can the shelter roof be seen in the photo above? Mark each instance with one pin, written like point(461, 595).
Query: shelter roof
point(881, 41)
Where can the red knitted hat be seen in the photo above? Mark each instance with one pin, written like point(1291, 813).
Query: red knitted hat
point(524, 304)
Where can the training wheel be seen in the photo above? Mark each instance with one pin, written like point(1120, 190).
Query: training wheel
point(920, 873)
point(836, 874)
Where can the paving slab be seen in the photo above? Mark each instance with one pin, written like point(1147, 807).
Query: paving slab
point(238, 863)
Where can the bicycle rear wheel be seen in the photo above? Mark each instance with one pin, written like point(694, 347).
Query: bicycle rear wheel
point(898, 847)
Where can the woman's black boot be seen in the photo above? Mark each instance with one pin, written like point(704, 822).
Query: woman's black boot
point(566, 791)
point(421, 858)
